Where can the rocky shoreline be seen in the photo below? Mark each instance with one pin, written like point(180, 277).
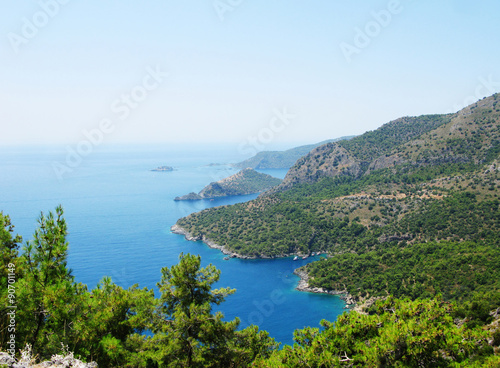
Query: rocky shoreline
point(176, 229)
point(304, 286)
point(358, 305)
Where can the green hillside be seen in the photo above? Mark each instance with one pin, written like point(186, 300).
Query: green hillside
point(247, 181)
point(415, 180)
point(412, 233)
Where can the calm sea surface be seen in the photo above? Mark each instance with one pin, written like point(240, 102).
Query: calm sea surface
point(119, 214)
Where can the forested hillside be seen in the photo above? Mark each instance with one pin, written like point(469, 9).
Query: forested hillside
point(415, 180)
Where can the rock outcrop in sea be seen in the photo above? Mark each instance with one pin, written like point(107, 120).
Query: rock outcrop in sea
point(164, 168)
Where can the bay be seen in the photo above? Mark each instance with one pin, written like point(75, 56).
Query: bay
point(119, 215)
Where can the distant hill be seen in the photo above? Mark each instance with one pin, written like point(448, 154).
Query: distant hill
point(247, 181)
point(282, 159)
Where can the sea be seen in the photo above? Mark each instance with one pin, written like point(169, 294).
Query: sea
point(119, 213)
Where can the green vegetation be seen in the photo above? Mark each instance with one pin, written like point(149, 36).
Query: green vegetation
point(396, 333)
point(415, 180)
point(106, 324)
point(383, 140)
point(468, 138)
point(187, 334)
point(455, 270)
point(246, 181)
point(419, 226)
point(319, 217)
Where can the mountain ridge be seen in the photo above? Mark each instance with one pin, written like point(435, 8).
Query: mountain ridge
point(362, 155)
point(282, 159)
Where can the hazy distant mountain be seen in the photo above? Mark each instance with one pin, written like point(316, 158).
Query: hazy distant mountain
point(281, 159)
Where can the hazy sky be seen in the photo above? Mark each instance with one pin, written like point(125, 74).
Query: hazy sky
point(269, 71)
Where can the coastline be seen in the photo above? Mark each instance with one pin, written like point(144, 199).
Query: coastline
point(176, 229)
point(303, 285)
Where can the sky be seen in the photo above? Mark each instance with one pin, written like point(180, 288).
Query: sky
point(260, 73)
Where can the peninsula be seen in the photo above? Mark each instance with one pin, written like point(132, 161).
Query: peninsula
point(247, 181)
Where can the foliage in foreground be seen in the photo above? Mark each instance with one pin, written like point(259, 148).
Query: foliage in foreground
point(396, 333)
point(119, 327)
point(108, 323)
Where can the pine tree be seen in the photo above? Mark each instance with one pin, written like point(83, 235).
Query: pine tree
point(187, 331)
point(49, 297)
point(9, 273)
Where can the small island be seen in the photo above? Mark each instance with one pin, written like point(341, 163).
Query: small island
point(164, 168)
point(247, 181)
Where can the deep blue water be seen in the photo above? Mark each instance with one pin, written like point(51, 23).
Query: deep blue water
point(119, 215)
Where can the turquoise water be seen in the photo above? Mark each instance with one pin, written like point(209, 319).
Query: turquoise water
point(119, 215)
